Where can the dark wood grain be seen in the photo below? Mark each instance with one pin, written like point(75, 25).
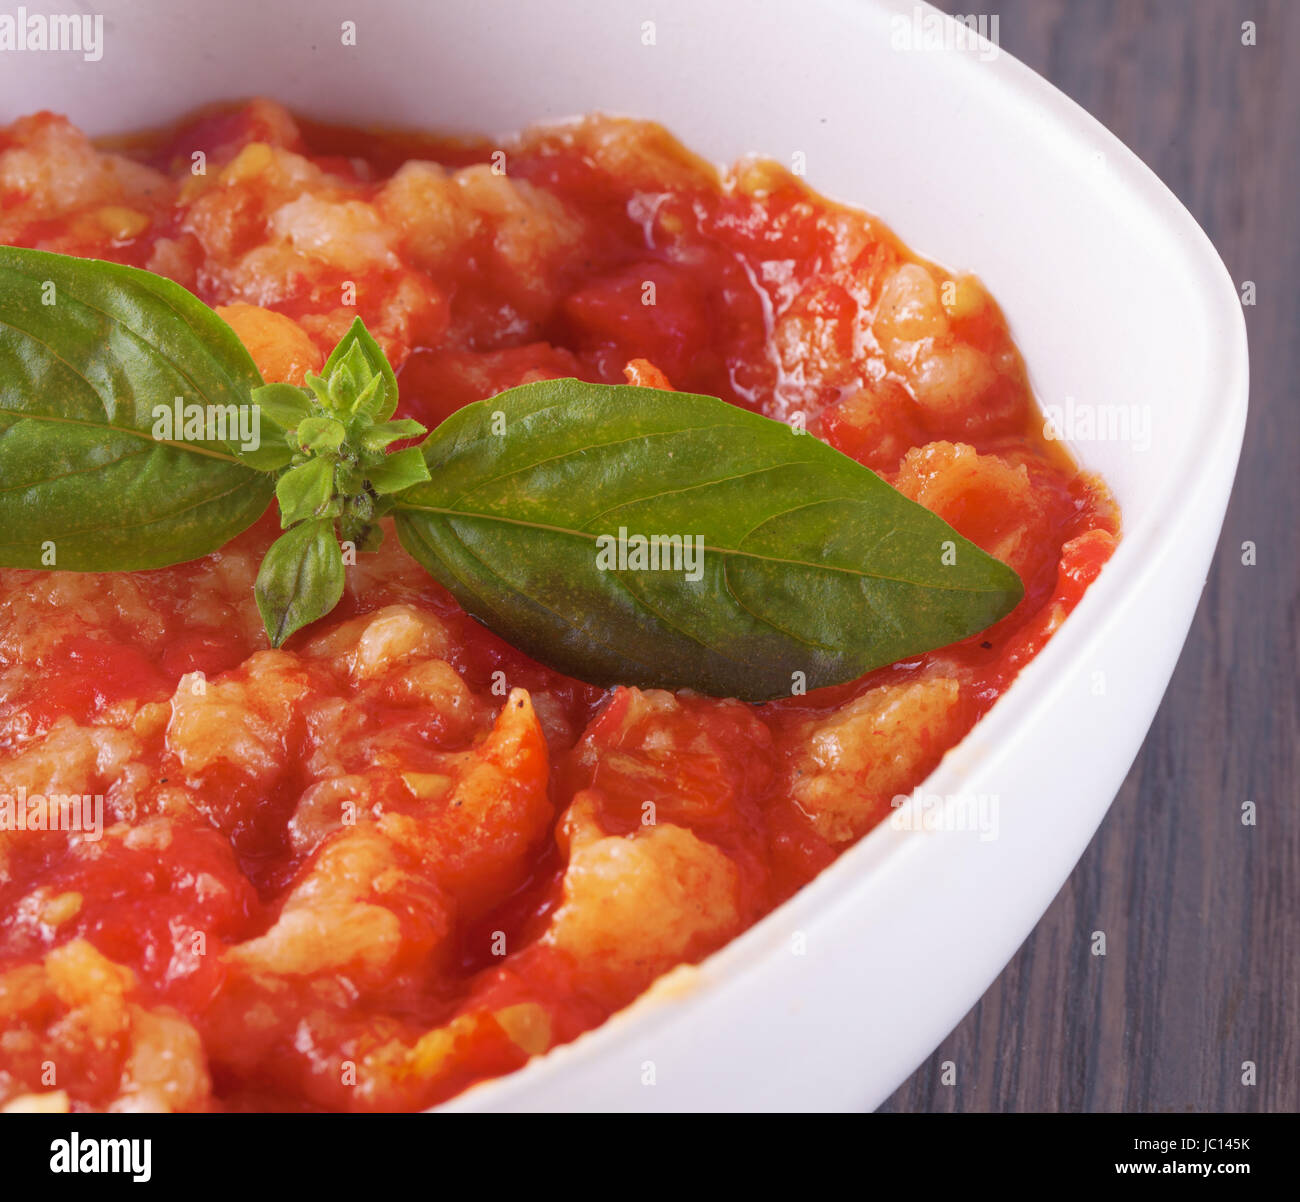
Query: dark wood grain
point(1200, 912)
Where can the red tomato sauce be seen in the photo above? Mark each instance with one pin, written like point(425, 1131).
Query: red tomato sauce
point(398, 856)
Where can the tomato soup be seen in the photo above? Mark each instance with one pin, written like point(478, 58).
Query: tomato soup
point(397, 856)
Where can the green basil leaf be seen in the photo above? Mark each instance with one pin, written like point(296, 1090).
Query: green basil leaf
point(283, 404)
point(370, 398)
point(303, 492)
point(321, 433)
point(273, 453)
point(300, 580)
point(92, 357)
point(809, 563)
point(376, 438)
point(396, 472)
point(361, 359)
point(345, 382)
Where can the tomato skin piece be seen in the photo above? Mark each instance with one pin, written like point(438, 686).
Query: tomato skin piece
point(614, 311)
point(644, 374)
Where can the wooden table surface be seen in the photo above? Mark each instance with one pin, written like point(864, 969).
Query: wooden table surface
point(1201, 912)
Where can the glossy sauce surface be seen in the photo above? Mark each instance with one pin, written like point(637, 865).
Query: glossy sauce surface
point(397, 856)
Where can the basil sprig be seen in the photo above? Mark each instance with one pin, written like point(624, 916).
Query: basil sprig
point(340, 475)
point(619, 534)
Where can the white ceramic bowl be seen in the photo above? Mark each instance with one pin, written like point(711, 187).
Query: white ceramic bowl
point(1114, 295)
